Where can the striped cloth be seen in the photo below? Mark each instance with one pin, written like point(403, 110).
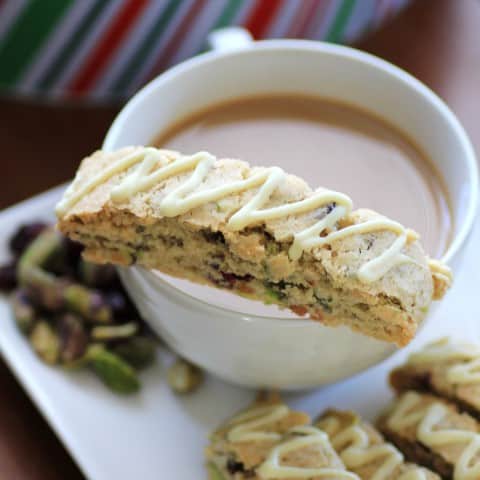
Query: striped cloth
point(106, 49)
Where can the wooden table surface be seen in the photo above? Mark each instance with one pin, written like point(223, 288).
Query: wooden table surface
point(438, 41)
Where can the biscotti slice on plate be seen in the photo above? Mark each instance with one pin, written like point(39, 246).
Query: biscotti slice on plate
point(256, 231)
point(304, 453)
point(448, 368)
point(431, 431)
point(243, 442)
point(365, 452)
point(270, 441)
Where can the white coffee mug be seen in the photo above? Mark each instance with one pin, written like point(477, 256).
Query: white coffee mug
point(283, 353)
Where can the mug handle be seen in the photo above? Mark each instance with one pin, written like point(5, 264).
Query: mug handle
point(229, 38)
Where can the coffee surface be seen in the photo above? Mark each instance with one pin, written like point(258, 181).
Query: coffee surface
point(331, 145)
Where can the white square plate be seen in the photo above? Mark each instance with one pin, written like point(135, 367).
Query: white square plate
point(156, 435)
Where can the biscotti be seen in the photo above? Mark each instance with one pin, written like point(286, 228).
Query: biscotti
point(256, 231)
point(365, 452)
point(447, 368)
point(304, 453)
point(431, 431)
point(243, 442)
point(269, 440)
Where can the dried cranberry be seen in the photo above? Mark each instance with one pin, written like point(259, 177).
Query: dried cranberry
point(213, 237)
point(229, 279)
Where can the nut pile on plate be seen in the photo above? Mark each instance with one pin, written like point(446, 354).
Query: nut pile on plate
point(76, 314)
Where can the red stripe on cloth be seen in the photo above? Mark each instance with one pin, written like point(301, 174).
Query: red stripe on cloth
point(301, 17)
point(261, 17)
point(318, 17)
point(105, 48)
point(316, 6)
point(177, 38)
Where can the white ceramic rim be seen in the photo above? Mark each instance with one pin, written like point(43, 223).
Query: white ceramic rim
point(338, 50)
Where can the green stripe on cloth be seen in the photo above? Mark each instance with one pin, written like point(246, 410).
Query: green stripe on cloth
point(132, 68)
point(71, 46)
point(226, 17)
point(228, 13)
point(27, 35)
point(338, 26)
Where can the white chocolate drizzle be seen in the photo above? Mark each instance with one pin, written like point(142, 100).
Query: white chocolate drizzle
point(440, 269)
point(246, 427)
point(157, 166)
point(428, 419)
point(465, 359)
point(466, 373)
point(303, 437)
point(356, 451)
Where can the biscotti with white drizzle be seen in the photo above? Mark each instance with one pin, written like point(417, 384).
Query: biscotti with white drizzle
point(448, 368)
point(431, 431)
point(243, 442)
point(304, 453)
point(270, 441)
point(365, 452)
point(256, 231)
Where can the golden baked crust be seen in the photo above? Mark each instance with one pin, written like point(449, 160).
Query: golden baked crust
point(262, 440)
point(432, 432)
point(363, 449)
point(446, 368)
point(231, 456)
point(255, 261)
